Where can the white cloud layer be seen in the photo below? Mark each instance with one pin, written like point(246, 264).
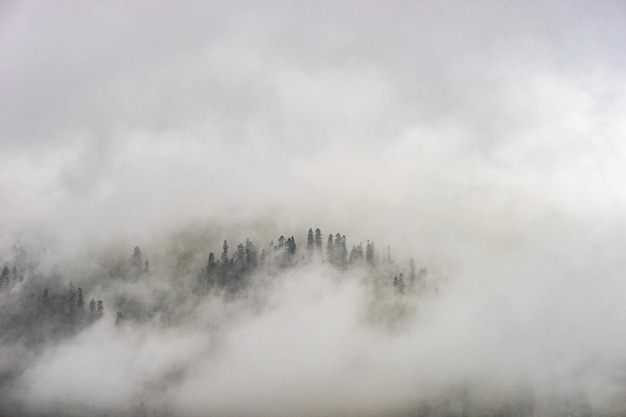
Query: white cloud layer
point(486, 138)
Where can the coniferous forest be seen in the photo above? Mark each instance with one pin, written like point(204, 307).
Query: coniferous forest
point(112, 296)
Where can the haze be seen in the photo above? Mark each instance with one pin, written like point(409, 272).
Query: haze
point(486, 140)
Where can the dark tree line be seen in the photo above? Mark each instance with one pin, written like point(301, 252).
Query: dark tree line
point(69, 306)
point(232, 272)
point(9, 277)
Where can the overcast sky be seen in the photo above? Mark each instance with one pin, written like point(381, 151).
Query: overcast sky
point(485, 138)
point(408, 119)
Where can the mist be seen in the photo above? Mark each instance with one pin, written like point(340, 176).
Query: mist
point(483, 142)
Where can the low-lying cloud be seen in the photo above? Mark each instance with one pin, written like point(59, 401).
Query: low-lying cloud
point(482, 140)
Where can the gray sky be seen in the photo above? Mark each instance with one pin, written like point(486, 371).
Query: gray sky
point(127, 116)
point(484, 137)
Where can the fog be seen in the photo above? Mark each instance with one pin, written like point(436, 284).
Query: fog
point(483, 140)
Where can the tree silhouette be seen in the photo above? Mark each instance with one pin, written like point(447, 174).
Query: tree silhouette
point(310, 241)
point(136, 262)
point(318, 240)
point(80, 303)
point(330, 250)
point(99, 309)
point(92, 309)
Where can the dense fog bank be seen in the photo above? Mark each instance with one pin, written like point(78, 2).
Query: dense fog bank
point(161, 165)
point(304, 333)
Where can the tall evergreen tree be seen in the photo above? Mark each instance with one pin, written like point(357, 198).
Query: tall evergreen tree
point(224, 257)
point(136, 262)
point(80, 303)
point(356, 255)
point(262, 257)
point(341, 251)
point(330, 250)
point(291, 247)
point(251, 255)
point(210, 272)
point(310, 241)
point(92, 309)
point(99, 309)
point(5, 281)
point(318, 240)
point(211, 264)
point(370, 254)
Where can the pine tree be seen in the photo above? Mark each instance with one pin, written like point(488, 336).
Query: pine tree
point(240, 255)
point(224, 257)
point(310, 241)
point(136, 262)
point(370, 254)
point(341, 251)
point(5, 281)
point(356, 255)
point(99, 309)
point(262, 257)
point(224, 266)
point(318, 240)
point(291, 246)
point(251, 256)
point(330, 250)
point(401, 283)
point(211, 264)
point(80, 303)
point(92, 309)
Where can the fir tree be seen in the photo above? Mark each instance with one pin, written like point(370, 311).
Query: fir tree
point(318, 240)
point(224, 257)
point(370, 254)
point(341, 251)
point(224, 266)
point(251, 255)
point(211, 263)
point(80, 303)
point(310, 241)
point(356, 255)
point(92, 309)
point(99, 309)
point(401, 283)
point(291, 246)
point(398, 283)
point(330, 250)
point(136, 261)
point(5, 281)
